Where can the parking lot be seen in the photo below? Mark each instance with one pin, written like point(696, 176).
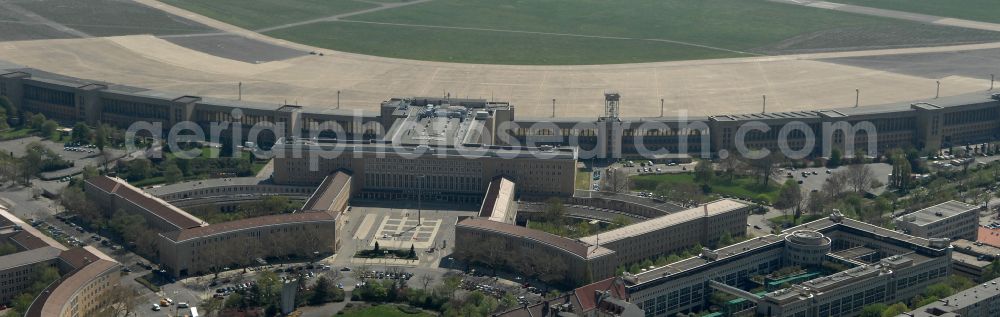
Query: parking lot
point(812, 178)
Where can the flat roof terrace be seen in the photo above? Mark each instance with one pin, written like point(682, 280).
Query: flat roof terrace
point(750, 247)
point(936, 213)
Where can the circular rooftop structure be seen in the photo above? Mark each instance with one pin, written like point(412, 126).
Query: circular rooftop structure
point(808, 237)
point(806, 247)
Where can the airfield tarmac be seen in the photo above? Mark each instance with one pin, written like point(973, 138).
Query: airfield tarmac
point(273, 70)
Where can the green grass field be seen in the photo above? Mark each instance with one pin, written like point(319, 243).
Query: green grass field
point(561, 32)
point(255, 14)
point(379, 311)
point(583, 178)
point(742, 187)
point(976, 10)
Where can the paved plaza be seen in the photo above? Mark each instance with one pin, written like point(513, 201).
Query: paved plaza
point(400, 232)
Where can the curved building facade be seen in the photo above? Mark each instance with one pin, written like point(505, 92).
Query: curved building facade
point(924, 124)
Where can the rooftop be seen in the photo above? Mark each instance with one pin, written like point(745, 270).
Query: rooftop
point(826, 283)
point(160, 191)
point(29, 257)
point(340, 147)
point(936, 213)
point(333, 186)
point(975, 248)
point(498, 196)
point(707, 210)
point(950, 305)
point(177, 217)
point(747, 248)
point(29, 238)
point(575, 247)
point(665, 207)
point(55, 297)
point(989, 236)
point(80, 257)
point(970, 260)
point(28, 241)
point(248, 223)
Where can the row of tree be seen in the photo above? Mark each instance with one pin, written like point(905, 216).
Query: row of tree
point(931, 294)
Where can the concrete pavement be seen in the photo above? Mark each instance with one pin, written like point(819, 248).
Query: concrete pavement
point(791, 82)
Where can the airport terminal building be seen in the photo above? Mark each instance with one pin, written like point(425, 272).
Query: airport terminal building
point(925, 124)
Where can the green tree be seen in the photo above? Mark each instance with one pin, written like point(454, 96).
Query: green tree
point(101, 135)
point(21, 303)
point(901, 173)
point(3, 119)
point(139, 169)
point(7, 248)
point(703, 171)
point(873, 310)
point(89, 171)
point(48, 129)
point(992, 271)
point(789, 197)
point(726, 239)
point(959, 283)
point(9, 108)
point(895, 310)
point(939, 290)
point(554, 210)
point(81, 133)
point(321, 291)
point(836, 158)
point(817, 201)
point(235, 301)
point(36, 121)
point(619, 221)
point(926, 301)
point(171, 173)
point(269, 287)
point(450, 285)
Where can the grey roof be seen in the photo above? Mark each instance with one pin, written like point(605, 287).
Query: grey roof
point(201, 184)
point(428, 151)
point(951, 305)
point(714, 208)
point(28, 257)
point(750, 247)
point(936, 213)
